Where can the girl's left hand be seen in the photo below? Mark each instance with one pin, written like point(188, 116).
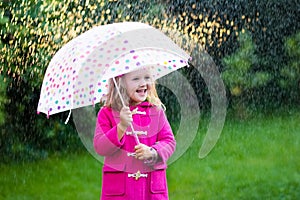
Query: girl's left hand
point(143, 152)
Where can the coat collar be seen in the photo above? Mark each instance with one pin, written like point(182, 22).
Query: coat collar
point(144, 104)
point(142, 107)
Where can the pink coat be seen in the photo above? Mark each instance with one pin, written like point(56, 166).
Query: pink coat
point(124, 176)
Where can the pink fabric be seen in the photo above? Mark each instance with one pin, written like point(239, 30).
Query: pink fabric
point(117, 164)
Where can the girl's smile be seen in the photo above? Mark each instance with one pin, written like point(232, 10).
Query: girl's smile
point(142, 91)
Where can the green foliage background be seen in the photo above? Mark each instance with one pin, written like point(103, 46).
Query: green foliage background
point(255, 44)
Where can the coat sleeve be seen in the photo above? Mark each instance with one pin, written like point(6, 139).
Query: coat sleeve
point(165, 145)
point(106, 140)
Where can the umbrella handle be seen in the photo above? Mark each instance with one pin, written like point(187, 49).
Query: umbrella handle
point(135, 135)
point(69, 115)
point(123, 103)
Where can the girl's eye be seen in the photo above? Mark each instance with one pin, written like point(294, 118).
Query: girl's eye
point(147, 77)
point(135, 79)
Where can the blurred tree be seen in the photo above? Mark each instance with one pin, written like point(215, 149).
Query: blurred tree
point(217, 25)
point(3, 21)
point(30, 35)
point(242, 75)
point(290, 74)
point(2, 99)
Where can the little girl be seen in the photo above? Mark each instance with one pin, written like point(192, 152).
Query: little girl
point(131, 170)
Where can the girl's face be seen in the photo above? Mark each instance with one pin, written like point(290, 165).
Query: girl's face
point(138, 84)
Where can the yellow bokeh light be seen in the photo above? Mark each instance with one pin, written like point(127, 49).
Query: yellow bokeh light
point(56, 23)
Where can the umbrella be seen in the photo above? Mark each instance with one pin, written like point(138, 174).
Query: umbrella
point(78, 74)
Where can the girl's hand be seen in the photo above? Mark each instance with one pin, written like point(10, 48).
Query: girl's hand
point(125, 121)
point(125, 117)
point(143, 152)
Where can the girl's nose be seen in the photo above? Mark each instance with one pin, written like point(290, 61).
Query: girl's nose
point(142, 82)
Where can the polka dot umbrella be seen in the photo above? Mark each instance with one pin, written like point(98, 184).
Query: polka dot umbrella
point(78, 74)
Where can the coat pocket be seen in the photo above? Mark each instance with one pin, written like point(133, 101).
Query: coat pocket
point(113, 182)
point(158, 182)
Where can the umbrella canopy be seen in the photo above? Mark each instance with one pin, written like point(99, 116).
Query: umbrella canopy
point(78, 74)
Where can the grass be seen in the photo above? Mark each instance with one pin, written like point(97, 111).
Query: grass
point(256, 158)
point(58, 177)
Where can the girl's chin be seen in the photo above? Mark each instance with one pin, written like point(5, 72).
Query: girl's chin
point(137, 101)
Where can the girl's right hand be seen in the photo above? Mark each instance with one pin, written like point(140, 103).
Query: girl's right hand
point(125, 117)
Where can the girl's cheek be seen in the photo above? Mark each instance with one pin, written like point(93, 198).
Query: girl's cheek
point(149, 86)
